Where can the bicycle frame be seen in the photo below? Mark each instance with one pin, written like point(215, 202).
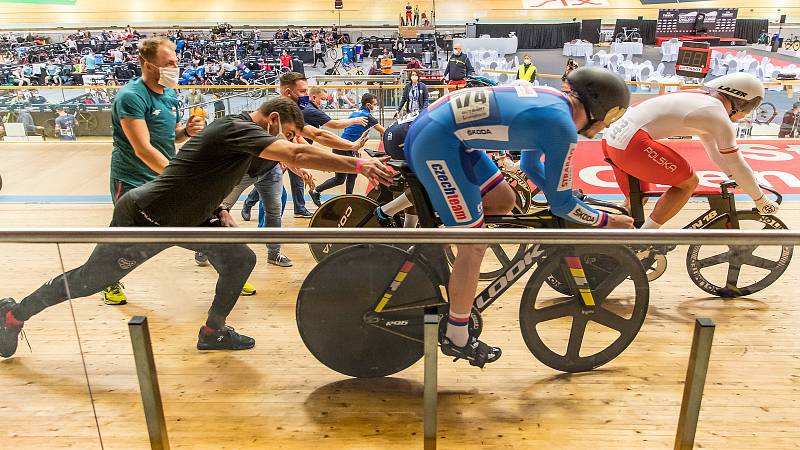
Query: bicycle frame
point(432, 260)
point(720, 204)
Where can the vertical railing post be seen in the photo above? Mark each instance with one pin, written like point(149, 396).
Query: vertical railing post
point(695, 382)
point(148, 383)
point(431, 386)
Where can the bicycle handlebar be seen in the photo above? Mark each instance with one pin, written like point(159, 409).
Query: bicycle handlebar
point(726, 186)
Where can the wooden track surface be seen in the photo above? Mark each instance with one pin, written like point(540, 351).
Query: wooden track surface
point(278, 396)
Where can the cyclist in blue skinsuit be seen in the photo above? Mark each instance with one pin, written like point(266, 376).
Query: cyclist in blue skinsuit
point(245, 74)
point(463, 183)
point(189, 75)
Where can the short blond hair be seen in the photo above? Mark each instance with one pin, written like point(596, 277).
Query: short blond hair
point(316, 90)
point(148, 48)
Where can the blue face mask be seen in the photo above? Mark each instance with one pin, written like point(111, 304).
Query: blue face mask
point(303, 101)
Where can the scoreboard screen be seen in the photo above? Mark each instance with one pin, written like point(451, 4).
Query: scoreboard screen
point(694, 59)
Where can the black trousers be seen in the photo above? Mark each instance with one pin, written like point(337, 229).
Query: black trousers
point(319, 57)
point(340, 178)
point(109, 263)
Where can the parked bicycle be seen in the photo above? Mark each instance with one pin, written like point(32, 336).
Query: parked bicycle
point(628, 35)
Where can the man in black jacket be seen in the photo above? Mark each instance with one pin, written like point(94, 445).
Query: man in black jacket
point(790, 125)
point(458, 69)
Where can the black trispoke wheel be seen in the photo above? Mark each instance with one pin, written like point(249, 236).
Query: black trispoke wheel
point(747, 271)
point(556, 311)
point(722, 258)
point(611, 320)
point(617, 299)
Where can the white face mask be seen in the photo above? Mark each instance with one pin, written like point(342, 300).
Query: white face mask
point(280, 134)
point(168, 77)
point(323, 104)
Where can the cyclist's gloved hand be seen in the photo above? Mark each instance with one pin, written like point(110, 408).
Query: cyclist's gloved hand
point(766, 206)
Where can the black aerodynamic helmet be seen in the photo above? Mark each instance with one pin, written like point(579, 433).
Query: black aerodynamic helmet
point(603, 93)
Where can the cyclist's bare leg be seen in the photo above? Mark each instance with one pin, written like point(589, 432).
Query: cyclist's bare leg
point(671, 202)
point(467, 265)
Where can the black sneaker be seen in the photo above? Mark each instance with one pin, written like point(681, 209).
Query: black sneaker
point(476, 352)
point(200, 259)
point(305, 214)
point(9, 335)
point(246, 214)
point(224, 339)
point(315, 197)
point(384, 220)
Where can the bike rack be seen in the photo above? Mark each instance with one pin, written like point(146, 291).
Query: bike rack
point(148, 383)
point(431, 383)
point(695, 382)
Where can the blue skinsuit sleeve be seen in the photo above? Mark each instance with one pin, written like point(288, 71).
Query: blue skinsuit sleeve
point(554, 176)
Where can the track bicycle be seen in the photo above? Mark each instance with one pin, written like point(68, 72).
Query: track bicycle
point(764, 265)
point(371, 325)
point(792, 43)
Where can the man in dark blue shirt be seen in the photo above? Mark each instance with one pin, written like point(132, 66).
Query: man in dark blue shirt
point(369, 102)
point(295, 86)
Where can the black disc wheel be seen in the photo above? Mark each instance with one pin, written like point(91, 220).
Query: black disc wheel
point(730, 271)
point(598, 319)
point(498, 256)
point(343, 211)
point(337, 318)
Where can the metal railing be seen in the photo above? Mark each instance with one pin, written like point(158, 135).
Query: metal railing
point(393, 236)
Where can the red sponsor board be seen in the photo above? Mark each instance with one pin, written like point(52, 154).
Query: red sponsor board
point(775, 162)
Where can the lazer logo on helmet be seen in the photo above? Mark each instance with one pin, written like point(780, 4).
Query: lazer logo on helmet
point(732, 91)
point(452, 195)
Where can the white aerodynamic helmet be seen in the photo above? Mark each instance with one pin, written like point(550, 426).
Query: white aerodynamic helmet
point(745, 91)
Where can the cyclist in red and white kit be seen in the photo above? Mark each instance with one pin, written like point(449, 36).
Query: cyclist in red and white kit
point(632, 146)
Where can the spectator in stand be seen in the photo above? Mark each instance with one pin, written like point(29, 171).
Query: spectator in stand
point(790, 125)
point(65, 124)
point(118, 56)
point(27, 72)
point(409, 14)
point(90, 62)
point(318, 55)
point(71, 44)
point(53, 72)
point(458, 69)
point(415, 95)
point(414, 63)
point(18, 77)
point(286, 61)
point(527, 71)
